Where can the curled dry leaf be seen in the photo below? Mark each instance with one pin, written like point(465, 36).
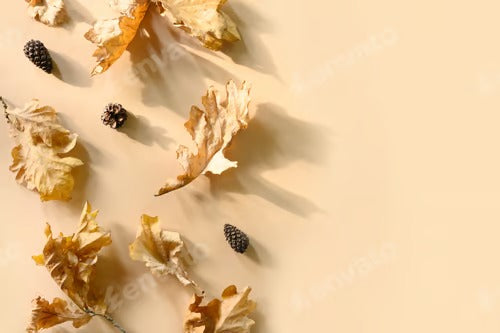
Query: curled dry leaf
point(221, 316)
point(37, 161)
point(45, 315)
point(161, 250)
point(71, 260)
point(212, 130)
point(202, 19)
point(113, 36)
point(49, 12)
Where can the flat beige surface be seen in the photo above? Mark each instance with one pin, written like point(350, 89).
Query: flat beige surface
point(369, 176)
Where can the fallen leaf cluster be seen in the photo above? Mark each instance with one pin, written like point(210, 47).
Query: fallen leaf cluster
point(164, 252)
point(71, 261)
point(201, 19)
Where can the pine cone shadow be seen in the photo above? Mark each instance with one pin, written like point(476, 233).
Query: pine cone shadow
point(272, 141)
point(258, 253)
point(69, 71)
point(139, 128)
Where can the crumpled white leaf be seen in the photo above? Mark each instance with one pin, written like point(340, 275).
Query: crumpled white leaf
point(49, 12)
point(212, 130)
point(112, 36)
point(202, 19)
point(41, 140)
point(229, 315)
point(162, 251)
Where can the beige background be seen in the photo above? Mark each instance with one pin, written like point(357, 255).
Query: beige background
point(368, 177)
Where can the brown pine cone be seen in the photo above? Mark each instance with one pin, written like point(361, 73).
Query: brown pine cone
point(114, 115)
point(236, 238)
point(38, 54)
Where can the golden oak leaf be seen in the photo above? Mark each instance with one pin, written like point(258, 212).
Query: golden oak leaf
point(113, 36)
point(202, 19)
point(40, 140)
point(229, 315)
point(45, 315)
point(212, 130)
point(49, 12)
point(71, 260)
point(162, 251)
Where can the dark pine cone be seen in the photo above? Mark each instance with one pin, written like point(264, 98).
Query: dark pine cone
point(238, 240)
point(114, 115)
point(38, 54)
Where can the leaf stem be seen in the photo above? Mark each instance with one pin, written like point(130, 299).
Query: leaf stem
point(108, 318)
point(5, 107)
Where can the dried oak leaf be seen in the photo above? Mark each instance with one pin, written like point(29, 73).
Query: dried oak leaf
point(45, 315)
point(113, 36)
point(49, 12)
point(41, 139)
point(221, 316)
point(71, 260)
point(202, 19)
point(162, 251)
point(212, 130)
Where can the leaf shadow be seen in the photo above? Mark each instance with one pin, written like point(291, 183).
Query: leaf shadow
point(59, 329)
point(260, 320)
point(81, 175)
point(110, 270)
point(250, 51)
point(77, 12)
point(163, 65)
point(272, 141)
point(140, 129)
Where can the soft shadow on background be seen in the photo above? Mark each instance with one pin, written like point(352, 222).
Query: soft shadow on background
point(70, 71)
point(164, 66)
point(140, 129)
point(170, 76)
point(273, 140)
point(77, 12)
point(250, 51)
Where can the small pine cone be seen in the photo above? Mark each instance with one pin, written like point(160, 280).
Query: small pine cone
point(114, 115)
point(238, 240)
point(38, 54)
